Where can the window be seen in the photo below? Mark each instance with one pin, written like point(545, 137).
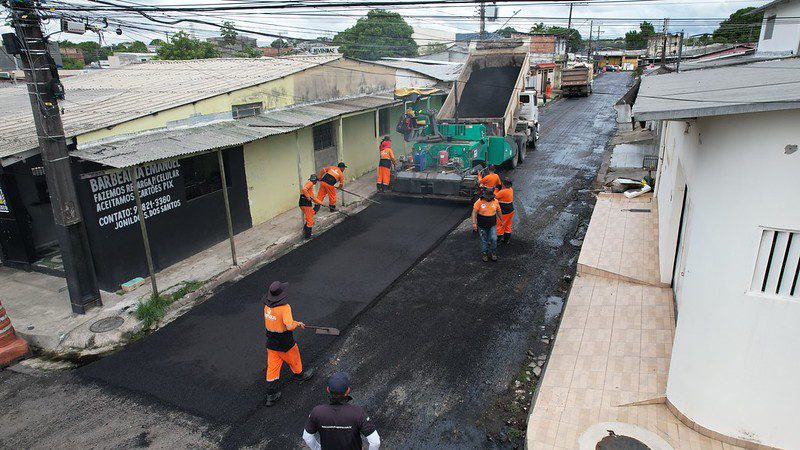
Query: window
point(323, 136)
point(769, 27)
point(383, 122)
point(246, 110)
point(778, 264)
point(201, 174)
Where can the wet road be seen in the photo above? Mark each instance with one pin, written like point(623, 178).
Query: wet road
point(433, 360)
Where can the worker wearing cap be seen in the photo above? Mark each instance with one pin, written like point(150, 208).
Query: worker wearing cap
point(281, 347)
point(385, 164)
point(490, 180)
point(340, 425)
point(328, 178)
point(309, 204)
point(485, 214)
point(505, 197)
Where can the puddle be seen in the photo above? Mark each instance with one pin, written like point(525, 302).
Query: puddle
point(552, 307)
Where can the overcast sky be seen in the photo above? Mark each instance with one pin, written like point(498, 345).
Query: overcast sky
point(614, 19)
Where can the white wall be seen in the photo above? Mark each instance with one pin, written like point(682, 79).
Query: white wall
point(409, 79)
point(736, 356)
point(786, 34)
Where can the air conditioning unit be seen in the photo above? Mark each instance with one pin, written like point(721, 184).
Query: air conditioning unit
point(72, 26)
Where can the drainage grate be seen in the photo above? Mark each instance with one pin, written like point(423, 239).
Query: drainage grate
point(638, 210)
point(107, 324)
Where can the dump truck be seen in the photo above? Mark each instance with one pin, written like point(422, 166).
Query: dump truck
point(576, 81)
point(480, 123)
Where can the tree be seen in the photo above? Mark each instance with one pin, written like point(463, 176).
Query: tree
point(157, 42)
point(381, 33)
point(539, 28)
point(635, 40)
point(248, 52)
point(132, 47)
point(506, 32)
point(228, 33)
point(183, 46)
point(71, 63)
point(739, 27)
point(92, 51)
point(280, 43)
point(433, 47)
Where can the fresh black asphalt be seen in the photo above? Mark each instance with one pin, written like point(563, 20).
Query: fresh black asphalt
point(211, 360)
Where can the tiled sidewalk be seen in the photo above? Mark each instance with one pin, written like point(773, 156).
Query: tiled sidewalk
point(614, 343)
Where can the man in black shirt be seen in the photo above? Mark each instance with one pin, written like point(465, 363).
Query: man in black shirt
point(339, 424)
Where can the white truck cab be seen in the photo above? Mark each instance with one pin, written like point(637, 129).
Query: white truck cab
point(529, 115)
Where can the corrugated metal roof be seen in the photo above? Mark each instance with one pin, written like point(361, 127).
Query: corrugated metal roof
point(756, 87)
point(108, 97)
point(438, 71)
point(169, 143)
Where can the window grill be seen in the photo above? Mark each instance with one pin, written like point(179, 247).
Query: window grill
point(778, 264)
point(246, 110)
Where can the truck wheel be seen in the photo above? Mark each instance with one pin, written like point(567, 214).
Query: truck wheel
point(522, 148)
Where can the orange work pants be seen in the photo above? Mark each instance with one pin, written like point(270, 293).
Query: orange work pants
point(330, 191)
point(308, 213)
point(275, 360)
point(384, 175)
point(504, 223)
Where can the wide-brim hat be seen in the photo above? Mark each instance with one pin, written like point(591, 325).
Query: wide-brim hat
point(277, 292)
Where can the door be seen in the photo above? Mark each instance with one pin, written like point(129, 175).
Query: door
point(16, 238)
point(679, 265)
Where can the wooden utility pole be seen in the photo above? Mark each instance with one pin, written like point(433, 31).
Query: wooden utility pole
point(589, 48)
point(680, 53)
point(482, 35)
point(664, 45)
point(569, 34)
point(44, 90)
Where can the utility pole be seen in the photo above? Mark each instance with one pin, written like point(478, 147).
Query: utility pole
point(680, 53)
point(664, 45)
point(44, 89)
point(482, 35)
point(589, 49)
point(569, 34)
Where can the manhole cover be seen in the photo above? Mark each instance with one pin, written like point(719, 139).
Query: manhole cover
point(617, 442)
point(107, 324)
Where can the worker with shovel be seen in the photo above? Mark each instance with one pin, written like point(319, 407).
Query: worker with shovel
point(329, 176)
point(309, 204)
point(485, 215)
point(385, 164)
point(340, 425)
point(490, 180)
point(280, 340)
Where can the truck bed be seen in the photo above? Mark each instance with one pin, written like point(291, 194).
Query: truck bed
point(487, 92)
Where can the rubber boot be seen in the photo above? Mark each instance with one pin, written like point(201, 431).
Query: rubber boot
point(305, 375)
point(493, 256)
point(379, 187)
point(485, 257)
point(273, 393)
point(332, 208)
point(316, 208)
point(507, 238)
point(306, 231)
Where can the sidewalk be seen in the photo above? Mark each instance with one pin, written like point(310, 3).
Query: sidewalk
point(609, 364)
point(39, 306)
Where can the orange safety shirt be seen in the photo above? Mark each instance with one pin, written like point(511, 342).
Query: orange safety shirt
point(387, 157)
point(307, 194)
point(487, 212)
point(505, 197)
point(279, 324)
point(331, 175)
point(490, 181)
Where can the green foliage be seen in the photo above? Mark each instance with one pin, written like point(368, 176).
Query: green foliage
point(381, 33)
point(739, 27)
point(131, 47)
point(280, 43)
point(152, 310)
point(506, 32)
point(157, 42)
point(71, 63)
point(248, 52)
point(636, 40)
point(228, 33)
point(433, 47)
point(574, 39)
point(91, 50)
point(182, 46)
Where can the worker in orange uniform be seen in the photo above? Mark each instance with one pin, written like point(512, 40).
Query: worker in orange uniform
point(281, 347)
point(385, 164)
point(328, 177)
point(505, 197)
point(307, 204)
point(485, 215)
point(548, 89)
point(490, 180)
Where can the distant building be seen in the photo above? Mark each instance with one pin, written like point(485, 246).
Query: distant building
point(780, 34)
point(274, 51)
point(119, 59)
point(656, 47)
point(72, 52)
point(544, 47)
point(316, 48)
point(625, 59)
point(456, 52)
point(227, 50)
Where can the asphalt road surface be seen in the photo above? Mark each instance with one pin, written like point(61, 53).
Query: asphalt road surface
point(432, 358)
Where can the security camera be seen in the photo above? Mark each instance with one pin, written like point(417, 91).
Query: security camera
point(119, 31)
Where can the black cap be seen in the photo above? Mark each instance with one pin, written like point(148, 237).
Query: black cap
point(338, 383)
point(507, 182)
point(488, 194)
point(313, 177)
point(491, 167)
point(386, 138)
point(342, 165)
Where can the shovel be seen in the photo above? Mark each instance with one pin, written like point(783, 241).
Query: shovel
point(324, 330)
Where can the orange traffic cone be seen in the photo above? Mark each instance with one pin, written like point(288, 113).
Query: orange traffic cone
point(12, 347)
